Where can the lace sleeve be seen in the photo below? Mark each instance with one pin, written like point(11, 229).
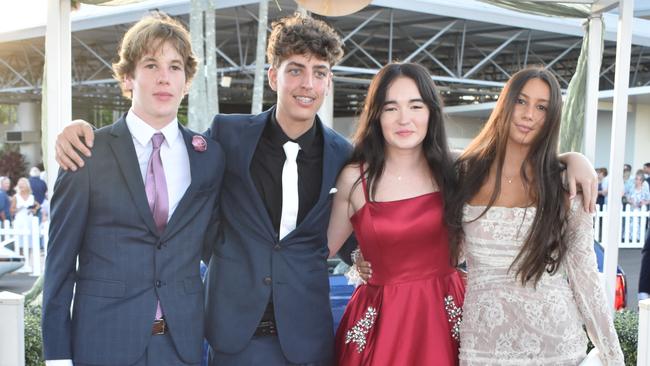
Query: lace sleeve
point(586, 287)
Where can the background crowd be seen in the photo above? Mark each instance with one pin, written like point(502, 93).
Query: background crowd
point(27, 198)
point(636, 187)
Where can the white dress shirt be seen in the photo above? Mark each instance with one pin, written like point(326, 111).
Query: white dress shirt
point(173, 153)
point(175, 160)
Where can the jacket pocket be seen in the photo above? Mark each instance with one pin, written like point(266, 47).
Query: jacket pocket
point(101, 288)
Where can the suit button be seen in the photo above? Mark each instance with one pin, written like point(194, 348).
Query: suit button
point(158, 283)
point(267, 280)
point(277, 247)
point(159, 245)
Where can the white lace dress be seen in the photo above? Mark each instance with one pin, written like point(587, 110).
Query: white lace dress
point(505, 323)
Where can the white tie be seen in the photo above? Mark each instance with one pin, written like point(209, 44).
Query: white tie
point(289, 189)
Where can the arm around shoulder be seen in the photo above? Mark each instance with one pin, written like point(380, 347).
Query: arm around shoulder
point(75, 139)
point(343, 208)
point(212, 232)
point(581, 173)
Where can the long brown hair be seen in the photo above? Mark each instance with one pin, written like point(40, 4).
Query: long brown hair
point(369, 142)
point(543, 249)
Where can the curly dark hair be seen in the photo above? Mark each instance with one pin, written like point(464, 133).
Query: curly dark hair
point(300, 35)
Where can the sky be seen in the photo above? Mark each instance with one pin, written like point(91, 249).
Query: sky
point(22, 14)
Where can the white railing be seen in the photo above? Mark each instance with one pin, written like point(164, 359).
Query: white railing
point(30, 242)
point(12, 332)
point(633, 229)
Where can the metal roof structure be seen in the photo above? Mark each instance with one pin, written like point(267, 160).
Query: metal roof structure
point(470, 47)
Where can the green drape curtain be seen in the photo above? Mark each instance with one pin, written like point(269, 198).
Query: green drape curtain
point(573, 112)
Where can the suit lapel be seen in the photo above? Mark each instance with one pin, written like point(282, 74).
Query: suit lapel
point(124, 151)
point(187, 206)
point(249, 139)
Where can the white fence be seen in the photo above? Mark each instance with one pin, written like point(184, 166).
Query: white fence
point(30, 242)
point(634, 226)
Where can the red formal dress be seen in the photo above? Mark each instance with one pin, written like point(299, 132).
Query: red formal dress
point(409, 312)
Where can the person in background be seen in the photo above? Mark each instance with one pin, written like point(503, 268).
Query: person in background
point(39, 187)
point(628, 181)
point(644, 273)
point(602, 190)
point(5, 199)
point(637, 197)
point(24, 208)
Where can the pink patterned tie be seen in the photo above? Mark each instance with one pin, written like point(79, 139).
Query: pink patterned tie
point(156, 187)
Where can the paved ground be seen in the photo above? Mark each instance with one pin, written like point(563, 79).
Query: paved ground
point(16, 282)
point(630, 261)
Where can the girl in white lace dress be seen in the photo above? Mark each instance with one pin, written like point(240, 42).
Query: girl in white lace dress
point(532, 277)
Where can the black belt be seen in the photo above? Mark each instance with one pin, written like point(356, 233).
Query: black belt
point(266, 328)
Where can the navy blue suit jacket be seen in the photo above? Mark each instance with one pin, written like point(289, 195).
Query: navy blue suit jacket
point(249, 263)
point(100, 214)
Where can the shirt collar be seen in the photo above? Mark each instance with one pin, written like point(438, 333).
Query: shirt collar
point(142, 131)
point(278, 137)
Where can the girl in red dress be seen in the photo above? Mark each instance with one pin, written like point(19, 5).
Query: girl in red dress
point(392, 196)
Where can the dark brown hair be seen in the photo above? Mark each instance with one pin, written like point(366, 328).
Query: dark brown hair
point(369, 142)
point(544, 248)
point(147, 36)
point(301, 35)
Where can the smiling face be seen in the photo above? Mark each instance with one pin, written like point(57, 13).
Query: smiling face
point(158, 85)
point(301, 82)
point(404, 116)
point(529, 114)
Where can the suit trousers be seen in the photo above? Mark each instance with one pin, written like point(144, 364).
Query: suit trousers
point(160, 352)
point(264, 350)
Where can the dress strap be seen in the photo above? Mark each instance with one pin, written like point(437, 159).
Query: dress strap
point(364, 183)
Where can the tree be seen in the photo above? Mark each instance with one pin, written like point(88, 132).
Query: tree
point(12, 163)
